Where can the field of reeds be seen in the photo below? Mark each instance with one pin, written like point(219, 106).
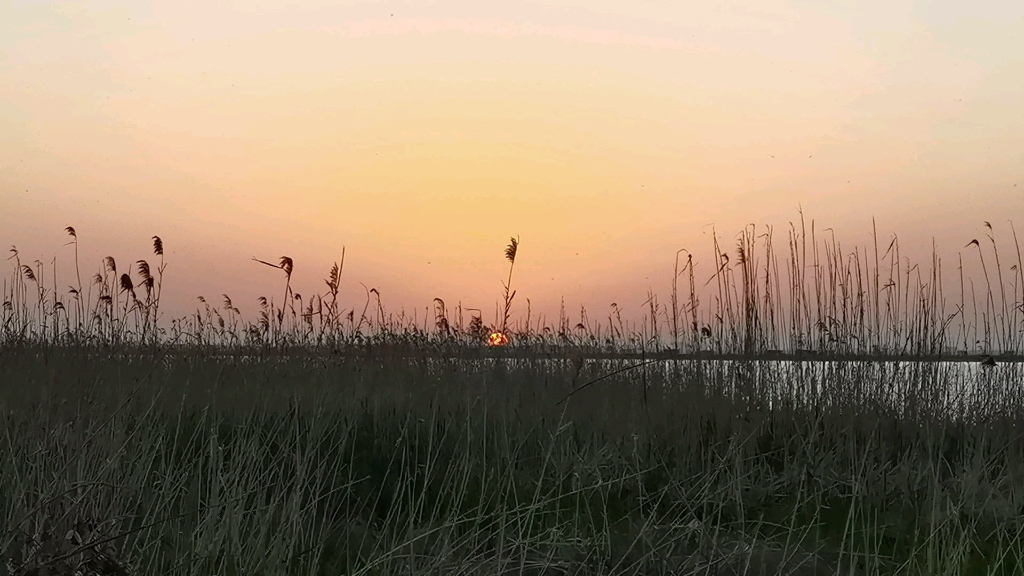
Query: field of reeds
point(807, 411)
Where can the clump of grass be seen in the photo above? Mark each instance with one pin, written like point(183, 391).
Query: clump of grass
point(285, 264)
point(105, 321)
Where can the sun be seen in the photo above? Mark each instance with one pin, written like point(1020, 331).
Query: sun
point(497, 339)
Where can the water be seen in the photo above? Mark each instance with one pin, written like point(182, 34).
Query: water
point(963, 390)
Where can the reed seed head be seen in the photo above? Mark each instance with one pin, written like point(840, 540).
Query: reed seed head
point(510, 250)
point(286, 265)
point(333, 282)
point(144, 270)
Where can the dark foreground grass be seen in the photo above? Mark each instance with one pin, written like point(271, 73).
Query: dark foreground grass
point(326, 439)
point(203, 465)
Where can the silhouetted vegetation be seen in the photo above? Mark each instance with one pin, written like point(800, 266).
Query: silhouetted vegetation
point(328, 439)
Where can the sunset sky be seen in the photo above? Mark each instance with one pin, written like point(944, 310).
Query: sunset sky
point(606, 134)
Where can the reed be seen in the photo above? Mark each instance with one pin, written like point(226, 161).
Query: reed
point(286, 464)
point(510, 255)
point(317, 441)
point(814, 295)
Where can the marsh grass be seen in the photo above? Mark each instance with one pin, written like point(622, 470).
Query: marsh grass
point(207, 465)
point(813, 295)
point(219, 447)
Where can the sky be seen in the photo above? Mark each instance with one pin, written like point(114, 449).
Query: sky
point(606, 135)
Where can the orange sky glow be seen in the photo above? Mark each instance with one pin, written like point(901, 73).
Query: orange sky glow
point(607, 135)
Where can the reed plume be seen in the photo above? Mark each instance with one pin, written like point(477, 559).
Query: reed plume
point(286, 265)
point(79, 310)
point(510, 254)
point(158, 250)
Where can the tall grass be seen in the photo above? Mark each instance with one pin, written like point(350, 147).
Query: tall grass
point(812, 295)
point(293, 465)
point(362, 458)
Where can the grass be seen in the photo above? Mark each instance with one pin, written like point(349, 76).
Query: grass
point(318, 440)
point(810, 296)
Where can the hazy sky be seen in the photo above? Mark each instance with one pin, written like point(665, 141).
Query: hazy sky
point(420, 136)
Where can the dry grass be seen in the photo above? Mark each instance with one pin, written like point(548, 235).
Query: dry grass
point(289, 465)
point(316, 440)
point(811, 296)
